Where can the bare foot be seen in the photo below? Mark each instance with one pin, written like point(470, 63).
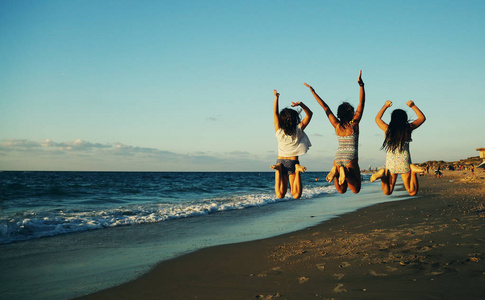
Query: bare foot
point(341, 178)
point(377, 175)
point(277, 167)
point(416, 169)
point(299, 168)
point(332, 173)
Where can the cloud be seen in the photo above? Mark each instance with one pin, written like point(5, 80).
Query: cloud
point(16, 144)
point(214, 118)
point(239, 153)
point(82, 155)
point(76, 145)
point(119, 148)
point(48, 145)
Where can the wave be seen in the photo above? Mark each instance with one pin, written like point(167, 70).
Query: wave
point(43, 223)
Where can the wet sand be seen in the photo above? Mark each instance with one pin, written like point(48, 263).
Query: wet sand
point(428, 247)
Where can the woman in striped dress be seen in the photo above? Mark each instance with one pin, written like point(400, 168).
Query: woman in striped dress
point(345, 171)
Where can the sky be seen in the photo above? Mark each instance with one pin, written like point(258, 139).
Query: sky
point(188, 85)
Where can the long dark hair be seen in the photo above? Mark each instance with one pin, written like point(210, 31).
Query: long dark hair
point(398, 132)
point(289, 120)
point(345, 114)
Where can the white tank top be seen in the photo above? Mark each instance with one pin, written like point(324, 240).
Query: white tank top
point(295, 145)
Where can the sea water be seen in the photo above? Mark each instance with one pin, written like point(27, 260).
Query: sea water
point(66, 234)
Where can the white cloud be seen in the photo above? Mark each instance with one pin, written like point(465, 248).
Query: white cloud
point(16, 144)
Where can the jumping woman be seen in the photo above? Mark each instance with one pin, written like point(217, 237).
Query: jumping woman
point(345, 171)
point(396, 143)
point(292, 142)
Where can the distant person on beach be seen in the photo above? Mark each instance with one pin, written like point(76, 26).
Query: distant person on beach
point(438, 173)
point(345, 171)
point(292, 142)
point(396, 143)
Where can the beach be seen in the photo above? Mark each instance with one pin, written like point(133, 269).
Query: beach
point(69, 234)
point(428, 247)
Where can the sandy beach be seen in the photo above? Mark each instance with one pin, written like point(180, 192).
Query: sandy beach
point(428, 247)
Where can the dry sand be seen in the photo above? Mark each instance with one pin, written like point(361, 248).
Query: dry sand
point(429, 247)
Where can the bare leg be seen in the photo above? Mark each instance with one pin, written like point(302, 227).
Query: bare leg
point(341, 177)
point(281, 181)
point(416, 169)
point(295, 181)
point(391, 183)
point(341, 188)
point(332, 173)
point(354, 179)
point(410, 180)
point(388, 180)
point(377, 175)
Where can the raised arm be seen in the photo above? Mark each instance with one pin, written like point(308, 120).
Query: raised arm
point(304, 123)
point(331, 117)
point(360, 109)
point(421, 118)
point(383, 125)
point(276, 111)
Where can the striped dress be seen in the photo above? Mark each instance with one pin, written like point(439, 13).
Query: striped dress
point(347, 149)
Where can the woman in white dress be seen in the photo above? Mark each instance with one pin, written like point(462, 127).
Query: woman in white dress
point(396, 143)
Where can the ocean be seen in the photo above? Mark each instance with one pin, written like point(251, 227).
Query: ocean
point(66, 234)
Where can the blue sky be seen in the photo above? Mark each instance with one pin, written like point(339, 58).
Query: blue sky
point(188, 85)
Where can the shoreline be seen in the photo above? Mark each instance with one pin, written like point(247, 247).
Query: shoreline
point(430, 246)
point(77, 264)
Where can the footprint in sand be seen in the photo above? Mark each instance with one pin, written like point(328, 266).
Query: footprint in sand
point(268, 297)
point(273, 271)
point(391, 269)
point(344, 264)
point(339, 276)
point(303, 280)
point(436, 273)
point(321, 267)
point(374, 273)
point(339, 288)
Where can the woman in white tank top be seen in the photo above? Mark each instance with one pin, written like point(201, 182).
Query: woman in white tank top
point(292, 142)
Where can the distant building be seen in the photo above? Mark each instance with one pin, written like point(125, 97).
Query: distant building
point(482, 153)
point(482, 156)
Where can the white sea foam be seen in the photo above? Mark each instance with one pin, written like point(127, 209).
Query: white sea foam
point(40, 223)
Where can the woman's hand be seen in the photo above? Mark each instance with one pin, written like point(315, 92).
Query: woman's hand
point(293, 104)
point(276, 93)
point(308, 86)
point(359, 80)
point(388, 103)
point(410, 103)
